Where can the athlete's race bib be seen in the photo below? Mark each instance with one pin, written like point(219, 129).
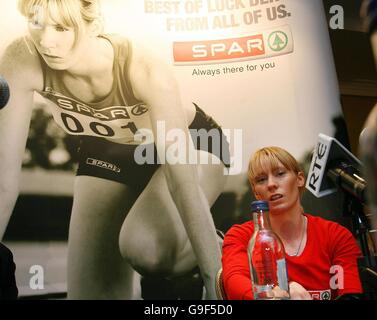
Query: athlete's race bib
point(118, 123)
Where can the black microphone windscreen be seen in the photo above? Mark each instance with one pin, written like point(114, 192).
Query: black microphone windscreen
point(4, 92)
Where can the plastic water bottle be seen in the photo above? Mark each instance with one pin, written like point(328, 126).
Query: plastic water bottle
point(266, 257)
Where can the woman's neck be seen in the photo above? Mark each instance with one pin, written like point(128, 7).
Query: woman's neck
point(96, 61)
point(288, 225)
point(93, 79)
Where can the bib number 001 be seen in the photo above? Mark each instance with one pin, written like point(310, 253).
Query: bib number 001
point(74, 126)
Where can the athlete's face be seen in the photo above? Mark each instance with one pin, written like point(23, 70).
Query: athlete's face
point(56, 43)
point(279, 186)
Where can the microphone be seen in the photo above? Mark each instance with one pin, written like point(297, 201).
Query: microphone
point(334, 166)
point(348, 178)
point(4, 92)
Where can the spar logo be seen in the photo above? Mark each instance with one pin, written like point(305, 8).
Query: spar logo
point(102, 164)
point(139, 110)
point(277, 41)
point(264, 44)
point(320, 294)
point(215, 50)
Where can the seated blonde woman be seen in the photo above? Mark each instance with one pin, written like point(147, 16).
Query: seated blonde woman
point(321, 255)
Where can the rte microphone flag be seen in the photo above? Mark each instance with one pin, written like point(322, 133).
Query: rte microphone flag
point(329, 154)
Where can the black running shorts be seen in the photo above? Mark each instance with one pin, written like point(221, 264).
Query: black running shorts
point(102, 158)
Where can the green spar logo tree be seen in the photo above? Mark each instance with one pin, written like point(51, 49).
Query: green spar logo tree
point(278, 40)
point(278, 43)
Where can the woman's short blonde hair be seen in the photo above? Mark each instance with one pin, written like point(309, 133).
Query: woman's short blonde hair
point(272, 157)
point(67, 13)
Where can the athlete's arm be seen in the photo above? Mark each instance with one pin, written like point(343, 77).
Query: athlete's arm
point(154, 84)
point(22, 71)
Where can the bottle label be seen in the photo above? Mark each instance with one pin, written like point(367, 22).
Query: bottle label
point(263, 291)
point(282, 274)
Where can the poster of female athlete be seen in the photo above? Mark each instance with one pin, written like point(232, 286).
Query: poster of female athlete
point(129, 129)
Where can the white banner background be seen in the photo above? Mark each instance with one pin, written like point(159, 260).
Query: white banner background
point(287, 105)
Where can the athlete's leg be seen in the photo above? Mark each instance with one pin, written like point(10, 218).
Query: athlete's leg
point(153, 238)
point(96, 269)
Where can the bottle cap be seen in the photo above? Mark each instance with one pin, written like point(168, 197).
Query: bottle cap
point(259, 205)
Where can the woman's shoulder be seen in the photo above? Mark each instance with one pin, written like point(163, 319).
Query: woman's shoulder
point(21, 57)
point(120, 43)
point(4, 250)
point(117, 39)
point(22, 50)
point(243, 230)
point(323, 225)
